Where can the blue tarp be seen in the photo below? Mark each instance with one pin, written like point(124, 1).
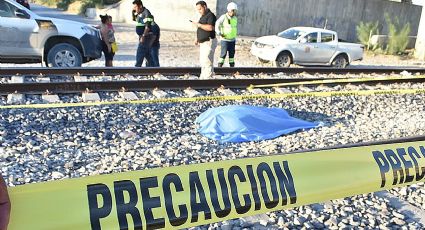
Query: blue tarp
point(242, 123)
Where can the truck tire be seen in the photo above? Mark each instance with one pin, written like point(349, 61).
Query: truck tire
point(284, 60)
point(64, 55)
point(340, 62)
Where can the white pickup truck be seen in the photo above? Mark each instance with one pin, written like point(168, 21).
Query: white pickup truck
point(306, 46)
point(26, 37)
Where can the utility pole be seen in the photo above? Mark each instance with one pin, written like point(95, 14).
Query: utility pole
point(420, 38)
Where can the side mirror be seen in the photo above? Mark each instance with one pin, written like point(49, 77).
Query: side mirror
point(303, 40)
point(22, 14)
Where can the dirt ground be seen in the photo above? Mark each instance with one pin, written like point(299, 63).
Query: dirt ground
point(178, 49)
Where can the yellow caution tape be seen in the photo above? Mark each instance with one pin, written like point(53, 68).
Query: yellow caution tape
point(198, 194)
point(222, 98)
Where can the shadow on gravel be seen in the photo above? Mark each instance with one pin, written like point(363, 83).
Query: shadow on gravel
point(311, 116)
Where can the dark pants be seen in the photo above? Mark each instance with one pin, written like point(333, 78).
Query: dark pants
point(109, 55)
point(227, 47)
point(154, 55)
point(143, 51)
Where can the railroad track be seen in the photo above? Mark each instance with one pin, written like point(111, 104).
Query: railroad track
point(172, 71)
point(143, 85)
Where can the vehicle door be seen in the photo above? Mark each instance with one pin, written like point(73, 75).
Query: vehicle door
point(306, 49)
point(327, 46)
point(18, 32)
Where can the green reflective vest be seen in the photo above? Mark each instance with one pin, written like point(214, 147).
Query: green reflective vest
point(229, 28)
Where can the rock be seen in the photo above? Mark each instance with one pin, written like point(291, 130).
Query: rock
point(57, 175)
point(299, 221)
point(127, 134)
point(280, 221)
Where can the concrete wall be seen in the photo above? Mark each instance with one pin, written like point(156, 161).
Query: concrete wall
point(264, 17)
point(420, 41)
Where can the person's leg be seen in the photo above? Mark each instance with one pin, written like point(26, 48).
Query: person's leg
point(204, 58)
point(105, 52)
point(212, 52)
point(223, 53)
point(155, 55)
point(148, 56)
point(111, 58)
point(141, 54)
point(149, 59)
point(232, 50)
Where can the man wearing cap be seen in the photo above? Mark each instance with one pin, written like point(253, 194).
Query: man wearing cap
point(227, 28)
point(143, 18)
point(206, 39)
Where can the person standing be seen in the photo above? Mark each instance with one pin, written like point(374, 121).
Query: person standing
point(227, 28)
point(143, 18)
point(154, 49)
point(4, 205)
point(206, 39)
point(108, 39)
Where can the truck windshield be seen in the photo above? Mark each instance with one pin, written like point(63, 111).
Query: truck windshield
point(292, 34)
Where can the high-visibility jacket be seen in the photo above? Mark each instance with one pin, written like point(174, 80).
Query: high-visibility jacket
point(142, 19)
point(227, 27)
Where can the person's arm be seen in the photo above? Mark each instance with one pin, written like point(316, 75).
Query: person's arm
point(148, 22)
point(4, 205)
point(209, 26)
point(133, 15)
point(218, 24)
point(206, 27)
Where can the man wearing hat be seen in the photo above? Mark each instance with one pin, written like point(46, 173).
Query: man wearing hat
point(143, 18)
point(227, 28)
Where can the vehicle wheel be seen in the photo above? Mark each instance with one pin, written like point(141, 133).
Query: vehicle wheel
point(339, 62)
point(283, 60)
point(262, 60)
point(64, 55)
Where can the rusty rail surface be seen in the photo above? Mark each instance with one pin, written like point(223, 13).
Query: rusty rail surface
point(143, 85)
point(172, 71)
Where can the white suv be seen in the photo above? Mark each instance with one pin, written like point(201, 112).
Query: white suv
point(26, 37)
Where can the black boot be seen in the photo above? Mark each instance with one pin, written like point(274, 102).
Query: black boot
point(220, 64)
point(232, 64)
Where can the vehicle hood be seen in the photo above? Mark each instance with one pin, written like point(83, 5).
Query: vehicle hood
point(274, 40)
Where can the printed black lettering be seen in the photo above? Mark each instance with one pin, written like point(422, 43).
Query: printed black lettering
point(254, 187)
point(286, 182)
point(407, 165)
point(422, 150)
point(265, 168)
point(150, 202)
point(124, 208)
point(420, 173)
point(166, 183)
point(98, 212)
point(219, 212)
point(384, 166)
point(395, 165)
point(196, 189)
point(237, 171)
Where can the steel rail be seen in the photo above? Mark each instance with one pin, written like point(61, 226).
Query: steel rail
point(172, 71)
point(144, 85)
